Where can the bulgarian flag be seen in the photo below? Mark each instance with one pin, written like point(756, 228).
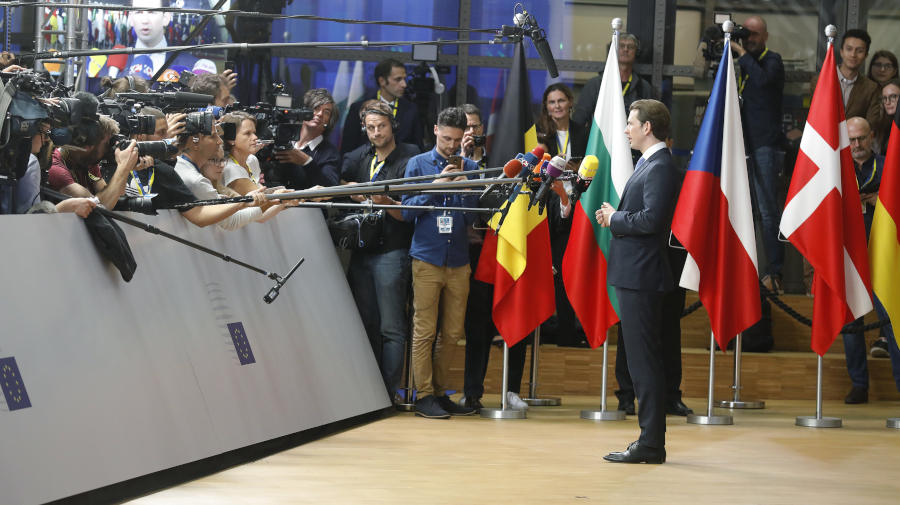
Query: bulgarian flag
point(584, 264)
point(518, 262)
point(884, 238)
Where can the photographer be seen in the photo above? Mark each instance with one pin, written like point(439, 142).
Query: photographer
point(313, 161)
point(216, 85)
point(198, 148)
point(75, 169)
point(761, 86)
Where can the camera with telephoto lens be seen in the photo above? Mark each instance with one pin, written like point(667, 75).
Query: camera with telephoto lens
point(130, 123)
point(280, 122)
point(158, 149)
point(199, 123)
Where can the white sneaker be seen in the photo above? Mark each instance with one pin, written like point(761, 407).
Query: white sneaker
point(514, 402)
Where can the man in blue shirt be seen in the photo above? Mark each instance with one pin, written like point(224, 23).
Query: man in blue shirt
point(440, 268)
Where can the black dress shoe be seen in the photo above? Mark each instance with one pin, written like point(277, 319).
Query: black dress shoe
point(637, 453)
point(857, 395)
point(678, 408)
point(626, 406)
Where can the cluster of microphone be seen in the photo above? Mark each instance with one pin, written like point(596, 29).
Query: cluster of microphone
point(537, 171)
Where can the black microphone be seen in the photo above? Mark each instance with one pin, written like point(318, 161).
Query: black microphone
point(527, 22)
point(174, 99)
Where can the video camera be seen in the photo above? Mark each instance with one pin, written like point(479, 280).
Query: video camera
point(280, 122)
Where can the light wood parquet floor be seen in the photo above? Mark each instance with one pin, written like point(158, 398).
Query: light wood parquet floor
point(554, 457)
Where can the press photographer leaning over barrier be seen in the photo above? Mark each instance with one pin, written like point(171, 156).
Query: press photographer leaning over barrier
point(75, 169)
point(200, 143)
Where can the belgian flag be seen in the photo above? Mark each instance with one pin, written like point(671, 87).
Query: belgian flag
point(516, 257)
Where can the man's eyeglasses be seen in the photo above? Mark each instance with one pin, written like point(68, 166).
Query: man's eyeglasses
point(473, 126)
point(890, 98)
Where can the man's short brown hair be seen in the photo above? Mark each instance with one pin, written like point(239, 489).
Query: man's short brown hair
point(656, 113)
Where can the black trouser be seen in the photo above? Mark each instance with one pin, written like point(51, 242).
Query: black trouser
point(641, 315)
point(480, 330)
point(672, 307)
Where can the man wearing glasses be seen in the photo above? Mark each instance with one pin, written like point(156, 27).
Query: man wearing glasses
point(634, 87)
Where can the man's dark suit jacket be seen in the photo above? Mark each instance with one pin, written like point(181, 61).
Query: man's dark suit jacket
point(409, 129)
point(640, 226)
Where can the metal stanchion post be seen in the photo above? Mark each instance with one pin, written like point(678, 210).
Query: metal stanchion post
point(736, 402)
point(711, 418)
point(533, 398)
point(603, 414)
point(893, 422)
point(818, 421)
point(503, 412)
point(408, 404)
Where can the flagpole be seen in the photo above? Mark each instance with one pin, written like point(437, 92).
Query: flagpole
point(603, 414)
point(533, 398)
point(711, 417)
point(736, 402)
point(408, 405)
point(504, 412)
point(818, 421)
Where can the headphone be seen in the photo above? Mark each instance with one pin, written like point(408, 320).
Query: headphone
point(380, 109)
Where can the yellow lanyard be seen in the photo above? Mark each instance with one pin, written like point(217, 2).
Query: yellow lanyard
point(562, 149)
point(627, 84)
point(871, 176)
point(144, 191)
point(745, 77)
point(375, 169)
point(249, 172)
point(392, 104)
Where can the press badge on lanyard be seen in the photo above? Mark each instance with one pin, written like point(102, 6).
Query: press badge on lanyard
point(445, 224)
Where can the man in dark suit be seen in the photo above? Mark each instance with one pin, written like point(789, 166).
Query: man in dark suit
point(390, 77)
point(639, 270)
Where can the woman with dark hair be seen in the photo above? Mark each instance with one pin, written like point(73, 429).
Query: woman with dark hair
point(555, 131)
point(883, 67)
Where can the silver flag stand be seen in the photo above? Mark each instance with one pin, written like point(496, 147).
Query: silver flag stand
point(710, 417)
point(503, 412)
point(603, 414)
point(408, 404)
point(736, 402)
point(533, 398)
point(893, 422)
point(817, 421)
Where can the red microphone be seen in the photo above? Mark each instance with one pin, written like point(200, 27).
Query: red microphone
point(116, 62)
point(512, 168)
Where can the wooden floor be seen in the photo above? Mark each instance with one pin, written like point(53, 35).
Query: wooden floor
point(555, 457)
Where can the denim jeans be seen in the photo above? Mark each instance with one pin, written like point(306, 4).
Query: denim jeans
point(855, 350)
point(380, 285)
point(763, 170)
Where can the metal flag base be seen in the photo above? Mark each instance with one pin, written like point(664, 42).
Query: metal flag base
point(739, 404)
point(736, 402)
point(894, 422)
point(710, 418)
point(603, 414)
point(533, 399)
point(504, 412)
point(405, 407)
point(818, 421)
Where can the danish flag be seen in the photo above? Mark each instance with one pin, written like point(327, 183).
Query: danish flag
point(823, 216)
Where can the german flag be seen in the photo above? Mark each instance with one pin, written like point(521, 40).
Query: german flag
point(884, 238)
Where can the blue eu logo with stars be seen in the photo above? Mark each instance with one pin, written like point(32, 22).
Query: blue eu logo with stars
point(241, 343)
point(12, 384)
